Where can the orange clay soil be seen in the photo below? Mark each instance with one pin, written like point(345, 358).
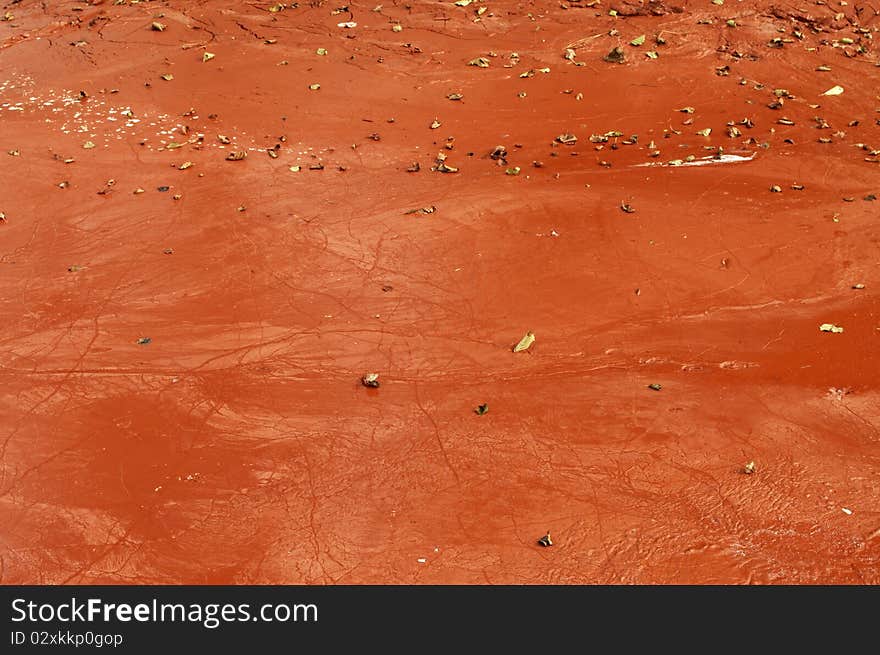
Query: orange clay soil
point(239, 446)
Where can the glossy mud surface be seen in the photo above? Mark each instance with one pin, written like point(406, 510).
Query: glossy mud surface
point(239, 446)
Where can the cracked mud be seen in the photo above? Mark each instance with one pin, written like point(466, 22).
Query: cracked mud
point(201, 256)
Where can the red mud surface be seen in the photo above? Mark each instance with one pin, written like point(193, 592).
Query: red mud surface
point(239, 446)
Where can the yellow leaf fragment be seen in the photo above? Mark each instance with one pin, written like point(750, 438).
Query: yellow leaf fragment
point(525, 342)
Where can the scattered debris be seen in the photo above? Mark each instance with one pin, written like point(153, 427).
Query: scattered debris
point(749, 468)
point(414, 168)
point(626, 208)
point(156, 26)
point(482, 409)
point(858, 286)
point(566, 139)
point(512, 171)
point(237, 155)
point(830, 327)
point(776, 189)
point(654, 386)
point(833, 91)
point(314, 87)
point(525, 342)
point(545, 540)
point(208, 56)
point(185, 165)
point(143, 341)
point(480, 62)
point(370, 380)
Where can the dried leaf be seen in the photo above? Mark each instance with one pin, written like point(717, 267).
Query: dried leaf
point(616, 56)
point(422, 210)
point(639, 40)
point(525, 342)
